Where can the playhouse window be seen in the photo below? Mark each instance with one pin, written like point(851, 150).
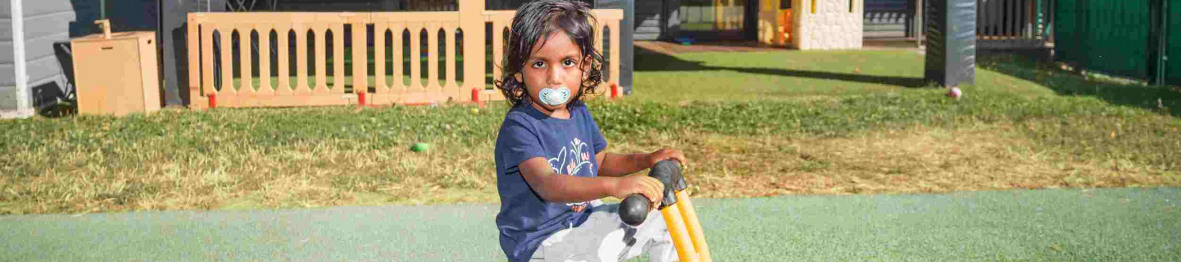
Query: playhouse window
point(784, 4)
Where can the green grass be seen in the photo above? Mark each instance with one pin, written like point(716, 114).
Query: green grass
point(752, 124)
point(773, 75)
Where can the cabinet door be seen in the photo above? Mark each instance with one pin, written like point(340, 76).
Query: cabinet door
point(149, 73)
point(108, 77)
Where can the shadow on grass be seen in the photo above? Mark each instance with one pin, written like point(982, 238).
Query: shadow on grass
point(1037, 66)
point(653, 61)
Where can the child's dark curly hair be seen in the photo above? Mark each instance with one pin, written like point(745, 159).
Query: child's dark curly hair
point(533, 22)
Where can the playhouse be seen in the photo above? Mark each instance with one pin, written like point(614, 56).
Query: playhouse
point(812, 24)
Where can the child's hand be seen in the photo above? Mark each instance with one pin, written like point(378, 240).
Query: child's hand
point(665, 154)
point(640, 184)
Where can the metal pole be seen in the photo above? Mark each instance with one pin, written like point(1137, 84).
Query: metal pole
point(626, 46)
point(23, 105)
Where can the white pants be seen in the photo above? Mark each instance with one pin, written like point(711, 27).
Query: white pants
point(604, 237)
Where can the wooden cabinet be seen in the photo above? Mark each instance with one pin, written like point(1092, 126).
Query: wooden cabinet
point(117, 75)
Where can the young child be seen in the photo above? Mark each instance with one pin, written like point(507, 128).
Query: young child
point(550, 160)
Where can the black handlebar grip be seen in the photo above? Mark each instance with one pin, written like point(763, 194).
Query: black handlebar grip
point(634, 209)
point(669, 173)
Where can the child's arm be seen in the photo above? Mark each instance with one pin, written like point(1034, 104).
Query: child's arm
point(572, 189)
point(618, 165)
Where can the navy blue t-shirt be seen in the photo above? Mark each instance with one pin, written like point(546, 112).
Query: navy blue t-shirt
point(570, 146)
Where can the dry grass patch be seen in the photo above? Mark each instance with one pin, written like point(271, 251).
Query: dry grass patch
point(332, 172)
point(300, 175)
point(920, 159)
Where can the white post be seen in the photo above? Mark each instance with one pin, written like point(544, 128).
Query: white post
point(920, 28)
point(23, 105)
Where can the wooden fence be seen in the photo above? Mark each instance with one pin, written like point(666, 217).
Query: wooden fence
point(316, 59)
point(1004, 24)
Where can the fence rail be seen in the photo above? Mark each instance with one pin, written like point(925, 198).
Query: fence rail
point(316, 59)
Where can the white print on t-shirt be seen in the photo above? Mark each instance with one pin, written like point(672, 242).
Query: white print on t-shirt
point(571, 160)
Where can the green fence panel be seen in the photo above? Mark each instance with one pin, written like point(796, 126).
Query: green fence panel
point(1108, 36)
point(1066, 45)
point(1173, 50)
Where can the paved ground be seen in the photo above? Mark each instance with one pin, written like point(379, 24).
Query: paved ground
point(1106, 224)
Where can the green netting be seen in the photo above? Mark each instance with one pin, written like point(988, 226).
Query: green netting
point(1109, 36)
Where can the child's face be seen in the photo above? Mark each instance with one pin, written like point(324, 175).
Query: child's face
point(556, 63)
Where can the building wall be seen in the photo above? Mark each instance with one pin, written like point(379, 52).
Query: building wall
point(648, 20)
point(828, 24)
point(717, 20)
point(888, 18)
point(47, 26)
point(8, 95)
point(328, 6)
point(174, 56)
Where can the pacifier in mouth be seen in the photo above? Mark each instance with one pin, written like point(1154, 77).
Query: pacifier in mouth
point(554, 96)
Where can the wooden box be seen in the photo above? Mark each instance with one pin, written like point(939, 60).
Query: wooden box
point(118, 75)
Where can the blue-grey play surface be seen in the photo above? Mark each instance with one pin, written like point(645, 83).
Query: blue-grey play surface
point(1129, 224)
